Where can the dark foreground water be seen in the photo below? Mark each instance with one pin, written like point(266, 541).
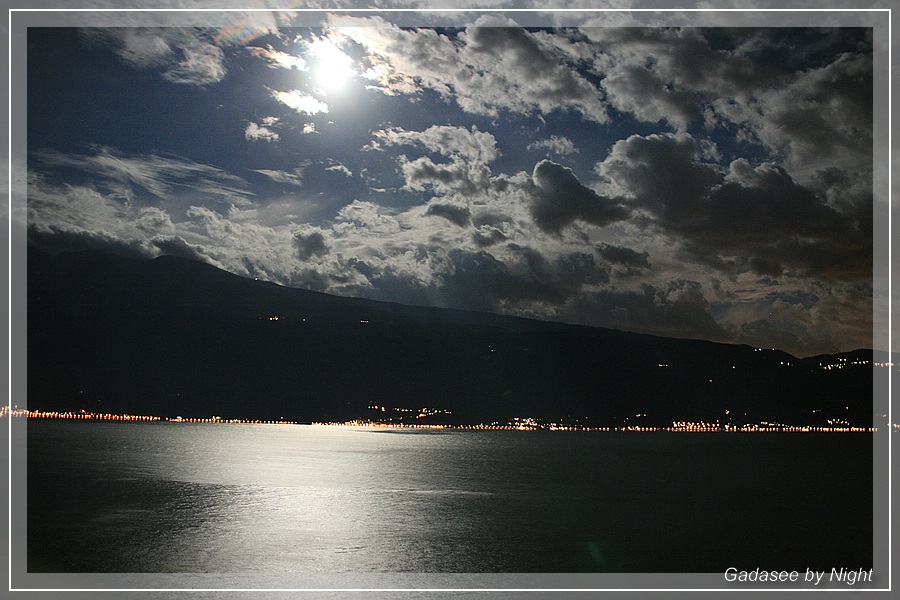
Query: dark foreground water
point(164, 497)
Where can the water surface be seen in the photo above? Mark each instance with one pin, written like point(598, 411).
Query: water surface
point(229, 498)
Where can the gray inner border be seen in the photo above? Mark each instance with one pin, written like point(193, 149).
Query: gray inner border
point(346, 585)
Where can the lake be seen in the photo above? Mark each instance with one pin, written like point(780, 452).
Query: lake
point(239, 498)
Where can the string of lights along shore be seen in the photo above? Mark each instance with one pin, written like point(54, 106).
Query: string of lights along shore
point(516, 424)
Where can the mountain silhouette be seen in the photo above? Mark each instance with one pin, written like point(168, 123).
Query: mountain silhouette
point(171, 336)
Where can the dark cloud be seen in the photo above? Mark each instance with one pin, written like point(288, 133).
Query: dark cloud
point(783, 225)
point(643, 93)
point(797, 298)
point(850, 193)
point(376, 280)
point(568, 272)
point(457, 176)
point(479, 280)
point(848, 260)
point(804, 94)
point(561, 199)
point(766, 205)
point(671, 74)
point(458, 215)
point(54, 239)
point(786, 335)
point(678, 308)
point(526, 68)
point(515, 278)
point(488, 235)
point(632, 260)
point(825, 111)
point(578, 269)
point(764, 266)
point(662, 175)
point(758, 217)
point(310, 243)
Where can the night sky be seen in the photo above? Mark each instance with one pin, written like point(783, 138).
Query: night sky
point(686, 182)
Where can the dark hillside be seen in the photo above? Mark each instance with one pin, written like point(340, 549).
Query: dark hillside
point(175, 337)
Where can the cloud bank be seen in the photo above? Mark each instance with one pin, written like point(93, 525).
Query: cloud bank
point(712, 183)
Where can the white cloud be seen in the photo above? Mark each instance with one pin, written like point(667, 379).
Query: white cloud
point(493, 66)
point(802, 114)
point(643, 93)
point(555, 144)
point(465, 173)
point(459, 176)
point(300, 102)
point(510, 68)
point(294, 177)
point(69, 206)
point(368, 216)
point(130, 176)
point(447, 140)
point(277, 59)
point(184, 55)
point(143, 47)
point(819, 115)
point(340, 168)
point(675, 230)
point(257, 132)
point(154, 220)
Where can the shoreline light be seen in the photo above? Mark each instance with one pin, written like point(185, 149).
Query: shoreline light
point(516, 425)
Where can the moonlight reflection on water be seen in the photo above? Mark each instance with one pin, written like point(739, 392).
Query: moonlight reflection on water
point(190, 498)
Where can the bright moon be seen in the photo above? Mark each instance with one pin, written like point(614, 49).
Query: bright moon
point(331, 67)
